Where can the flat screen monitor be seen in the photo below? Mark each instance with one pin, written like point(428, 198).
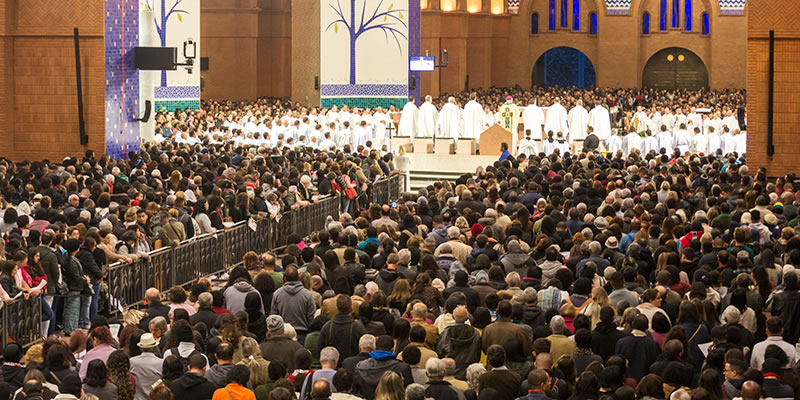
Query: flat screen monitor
point(422, 64)
point(156, 58)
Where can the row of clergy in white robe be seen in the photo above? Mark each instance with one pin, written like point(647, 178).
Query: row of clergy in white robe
point(469, 122)
point(682, 140)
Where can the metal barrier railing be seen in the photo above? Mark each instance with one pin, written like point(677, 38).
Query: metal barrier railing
point(387, 190)
point(198, 257)
point(22, 321)
point(211, 254)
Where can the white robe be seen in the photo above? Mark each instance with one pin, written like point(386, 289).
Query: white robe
point(528, 147)
point(360, 137)
point(549, 147)
point(713, 143)
point(682, 141)
point(601, 123)
point(741, 143)
point(700, 144)
point(426, 121)
point(473, 120)
point(578, 121)
point(379, 121)
point(664, 141)
point(640, 121)
point(731, 122)
point(556, 120)
point(650, 144)
point(533, 119)
point(728, 144)
point(614, 144)
point(408, 120)
point(449, 123)
point(632, 141)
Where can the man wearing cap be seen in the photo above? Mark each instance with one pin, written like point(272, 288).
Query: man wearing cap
point(146, 367)
point(278, 346)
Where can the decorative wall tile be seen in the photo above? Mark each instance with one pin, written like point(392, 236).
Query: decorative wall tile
point(122, 77)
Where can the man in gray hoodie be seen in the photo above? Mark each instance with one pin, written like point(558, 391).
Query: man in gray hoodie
point(294, 303)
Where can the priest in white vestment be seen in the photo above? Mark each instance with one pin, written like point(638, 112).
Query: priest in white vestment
point(509, 120)
point(600, 122)
point(379, 122)
point(730, 121)
point(426, 121)
point(473, 119)
point(664, 139)
point(726, 139)
point(632, 141)
point(650, 143)
point(682, 140)
point(578, 119)
point(449, 123)
point(699, 142)
point(713, 142)
point(640, 120)
point(408, 120)
point(614, 144)
point(527, 145)
point(533, 119)
point(740, 141)
point(556, 118)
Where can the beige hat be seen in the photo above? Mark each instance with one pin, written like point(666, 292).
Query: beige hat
point(147, 341)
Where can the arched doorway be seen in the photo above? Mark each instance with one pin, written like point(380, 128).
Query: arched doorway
point(675, 68)
point(563, 67)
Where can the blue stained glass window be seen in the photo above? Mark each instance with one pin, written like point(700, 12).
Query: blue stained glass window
point(688, 14)
point(552, 15)
point(646, 24)
point(564, 8)
point(676, 13)
point(706, 24)
point(663, 23)
point(534, 23)
point(593, 24)
point(576, 15)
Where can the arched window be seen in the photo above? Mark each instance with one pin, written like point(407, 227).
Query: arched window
point(552, 15)
point(676, 13)
point(646, 23)
point(687, 14)
point(593, 24)
point(663, 23)
point(576, 15)
point(706, 24)
point(534, 23)
point(564, 8)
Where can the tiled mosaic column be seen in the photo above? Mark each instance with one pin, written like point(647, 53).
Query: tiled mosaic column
point(122, 77)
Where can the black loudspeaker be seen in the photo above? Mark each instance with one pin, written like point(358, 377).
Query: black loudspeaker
point(148, 108)
point(771, 95)
point(413, 82)
point(466, 84)
point(156, 58)
point(84, 138)
point(316, 83)
point(203, 63)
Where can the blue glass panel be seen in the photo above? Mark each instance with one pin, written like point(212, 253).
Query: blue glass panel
point(688, 14)
point(534, 23)
point(552, 15)
point(564, 67)
point(663, 15)
point(706, 24)
point(576, 15)
point(564, 8)
point(676, 13)
point(593, 24)
point(646, 24)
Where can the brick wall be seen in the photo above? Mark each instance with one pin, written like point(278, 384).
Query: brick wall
point(783, 16)
point(38, 101)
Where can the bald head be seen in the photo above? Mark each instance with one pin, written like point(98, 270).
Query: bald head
point(751, 391)
point(419, 310)
point(460, 314)
point(543, 361)
point(152, 295)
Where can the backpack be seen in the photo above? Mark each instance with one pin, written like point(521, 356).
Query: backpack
point(188, 225)
point(184, 360)
point(417, 235)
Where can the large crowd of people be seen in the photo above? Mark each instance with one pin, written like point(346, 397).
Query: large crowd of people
point(571, 275)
